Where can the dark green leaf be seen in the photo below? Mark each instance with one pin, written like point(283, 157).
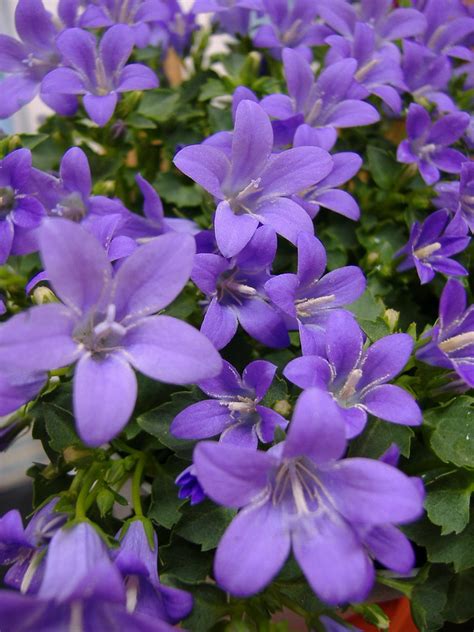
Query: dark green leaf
point(453, 435)
point(204, 524)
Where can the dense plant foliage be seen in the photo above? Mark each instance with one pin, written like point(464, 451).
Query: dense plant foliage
point(236, 313)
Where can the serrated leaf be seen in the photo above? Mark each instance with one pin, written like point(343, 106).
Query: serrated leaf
point(159, 105)
point(185, 561)
point(59, 426)
point(210, 605)
point(448, 499)
point(429, 599)
point(453, 435)
point(204, 524)
point(378, 436)
point(165, 504)
point(460, 605)
point(383, 167)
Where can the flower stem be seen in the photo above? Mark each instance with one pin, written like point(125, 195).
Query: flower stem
point(136, 484)
point(81, 504)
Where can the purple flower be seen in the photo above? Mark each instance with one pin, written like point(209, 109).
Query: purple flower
point(388, 24)
point(176, 31)
point(137, 14)
point(309, 297)
point(106, 325)
point(252, 185)
point(333, 514)
point(235, 288)
point(292, 25)
point(427, 75)
point(18, 388)
point(378, 69)
point(81, 590)
point(328, 103)
point(325, 193)
point(23, 548)
point(20, 210)
point(458, 197)
point(428, 143)
point(431, 245)
point(154, 223)
point(357, 377)
point(145, 595)
point(452, 338)
point(99, 74)
point(233, 412)
point(27, 61)
point(189, 486)
point(446, 26)
point(233, 16)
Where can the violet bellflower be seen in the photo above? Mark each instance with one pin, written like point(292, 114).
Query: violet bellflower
point(251, 185)
point(447, 26)
point(81, 589)
point(106, 325)
point(334, 514)
point(310, 296)
point(234, 412)
point(389, 24)
point(378, 69)
point(357, 377)
point(427, 75)
point(292, 24)
point(100, 73)
point(428, 143)
point(235, 289)
point(452, 338)
point(189, 486)
point(137, 14)
point(176, 31)
point(26, 61)
point(232, 16)
point(145, 595)
point(458, 196)
point(22, 549)
point(327, 103)
point(20, 210)
point(432, 244)
point(326, 193)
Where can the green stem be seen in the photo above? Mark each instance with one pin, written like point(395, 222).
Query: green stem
point(136, 484)
point(81, 503)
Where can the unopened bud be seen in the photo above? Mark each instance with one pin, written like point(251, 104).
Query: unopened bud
point(391, 318)
point(282, 407)
point(43, 295)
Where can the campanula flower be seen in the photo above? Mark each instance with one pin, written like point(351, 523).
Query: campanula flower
point(100, 73)
point(335, 514)
point(106, 325)
point(357, 377)
point(234, 411)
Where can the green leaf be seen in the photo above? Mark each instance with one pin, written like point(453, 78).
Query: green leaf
point(449, 549)
point(367, 307)
point(105, 501)
point(159, 105)
point(383, 167)
point(460, 606)
point(158, 420)
point(173, 190)
point(204, 524)
point(378, 436)
point(59, 426)
point(210, 605)
point(165, 504)
point(186, 561)
point(373, 614)
point(453, 436)
point(448, 499)
point(429, 598)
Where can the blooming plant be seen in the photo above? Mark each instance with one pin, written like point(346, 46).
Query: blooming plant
point(235, 309)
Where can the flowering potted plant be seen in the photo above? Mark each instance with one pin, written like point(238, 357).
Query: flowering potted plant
point(236, 313)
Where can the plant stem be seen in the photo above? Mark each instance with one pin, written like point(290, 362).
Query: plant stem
point(136, 484)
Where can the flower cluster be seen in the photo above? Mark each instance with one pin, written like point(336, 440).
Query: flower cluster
point(259, 314)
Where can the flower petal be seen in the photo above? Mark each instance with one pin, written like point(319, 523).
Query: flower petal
point(385, 359)
point(231, 475)
point(75, 263)
point(391, 548)
point(392, 403)
point(206, 165)
point(201, 420)
point(220, 324)
point(308, 371)
point(153, 275)
point(137, 77)
point(233, 232)
point(286, 217)
point(317, 428)
point(105, 392)
point(100, 108)
point(258, 375)
point(171, 351)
